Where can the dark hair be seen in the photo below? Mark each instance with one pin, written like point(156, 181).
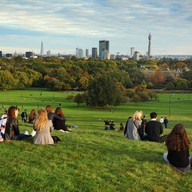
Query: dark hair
point(153, 115)
point(58, 111)
point(178, 138)
point(11, 111)
point(32, 114)
point(48, 108)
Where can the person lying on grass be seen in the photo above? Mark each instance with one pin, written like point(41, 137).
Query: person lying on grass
point(178, 146)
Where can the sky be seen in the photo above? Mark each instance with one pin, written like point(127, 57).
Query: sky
point(64, 25)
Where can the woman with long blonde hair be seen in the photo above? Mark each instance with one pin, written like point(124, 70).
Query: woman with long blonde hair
point(43, 126)
point(132, 126)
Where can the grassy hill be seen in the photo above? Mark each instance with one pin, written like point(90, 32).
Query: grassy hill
point(89, 158)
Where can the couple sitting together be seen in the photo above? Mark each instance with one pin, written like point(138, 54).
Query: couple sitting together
point(177, 142)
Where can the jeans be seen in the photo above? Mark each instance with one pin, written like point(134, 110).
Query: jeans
point(23, 136)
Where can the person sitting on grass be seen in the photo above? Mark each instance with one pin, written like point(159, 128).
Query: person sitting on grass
point(154, 130)
point(121, 128)
point(32, 116)
point(43, 126)
point(3, 121)
point(12, 131)
point(59, 124)
point(51, 115)
point(132, 126)
point(24, 116)
point(178, 146)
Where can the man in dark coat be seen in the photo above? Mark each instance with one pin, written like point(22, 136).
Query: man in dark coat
point(154, 130)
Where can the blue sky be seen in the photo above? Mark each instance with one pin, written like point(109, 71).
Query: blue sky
point(64, 25)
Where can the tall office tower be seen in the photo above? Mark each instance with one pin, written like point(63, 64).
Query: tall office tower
point(1, 54)
point(132, 51)
point(103, 46)
point(87, 53)
point(149, 45)
point(94, 52)
point(42, 49)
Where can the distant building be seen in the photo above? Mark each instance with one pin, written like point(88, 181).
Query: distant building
point(8, 55)
point(132, 51)
point(1, 54)
point(136, 55)
point(94, 52)
point(48, 53)
point(103, 46)
point(87, 52)
point(112, 56)
point(79, 53)
point(29, 54)
point(105, 54)
point(42, 49)
point(149, 46)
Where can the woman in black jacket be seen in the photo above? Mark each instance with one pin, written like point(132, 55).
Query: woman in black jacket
point(59, 124)
point(12, 126)
point(178, 146)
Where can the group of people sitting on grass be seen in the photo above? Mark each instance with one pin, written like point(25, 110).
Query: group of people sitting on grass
point(43, 123)
point(177, 142)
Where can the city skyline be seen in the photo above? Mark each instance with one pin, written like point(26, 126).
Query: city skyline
point(64, 25)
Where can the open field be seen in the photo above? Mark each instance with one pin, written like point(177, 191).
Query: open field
point(89, 158)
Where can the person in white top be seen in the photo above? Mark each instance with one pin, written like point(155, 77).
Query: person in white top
point(161, 120)
point(3, 121)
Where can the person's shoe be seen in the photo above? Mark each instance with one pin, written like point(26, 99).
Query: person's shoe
point(26, 133)
point(67, 131)
point(33, 133)
point(61, 130)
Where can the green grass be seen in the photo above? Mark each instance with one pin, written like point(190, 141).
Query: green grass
point(89, 158)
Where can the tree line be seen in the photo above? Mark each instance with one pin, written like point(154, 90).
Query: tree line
point(124, 80)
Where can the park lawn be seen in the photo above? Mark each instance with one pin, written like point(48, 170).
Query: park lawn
point(89, 158)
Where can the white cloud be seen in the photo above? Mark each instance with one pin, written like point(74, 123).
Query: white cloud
point(123, 21)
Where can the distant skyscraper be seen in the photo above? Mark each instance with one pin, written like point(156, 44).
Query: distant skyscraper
point(42, 49)
point(132, 51)
point(149, 45)
point(1, 55)
point(103, 46)
point(87, 52)
point(94, 52)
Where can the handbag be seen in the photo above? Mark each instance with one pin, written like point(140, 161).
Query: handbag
point(56, 139)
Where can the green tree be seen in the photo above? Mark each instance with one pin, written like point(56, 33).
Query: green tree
point(79, 98)
point(103, 91)
point(21, 79)
point(6, 80)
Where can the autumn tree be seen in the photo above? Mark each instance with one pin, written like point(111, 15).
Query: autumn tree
point(158, 77)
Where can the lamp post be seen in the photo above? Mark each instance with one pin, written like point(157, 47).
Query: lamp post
point(169, 105)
